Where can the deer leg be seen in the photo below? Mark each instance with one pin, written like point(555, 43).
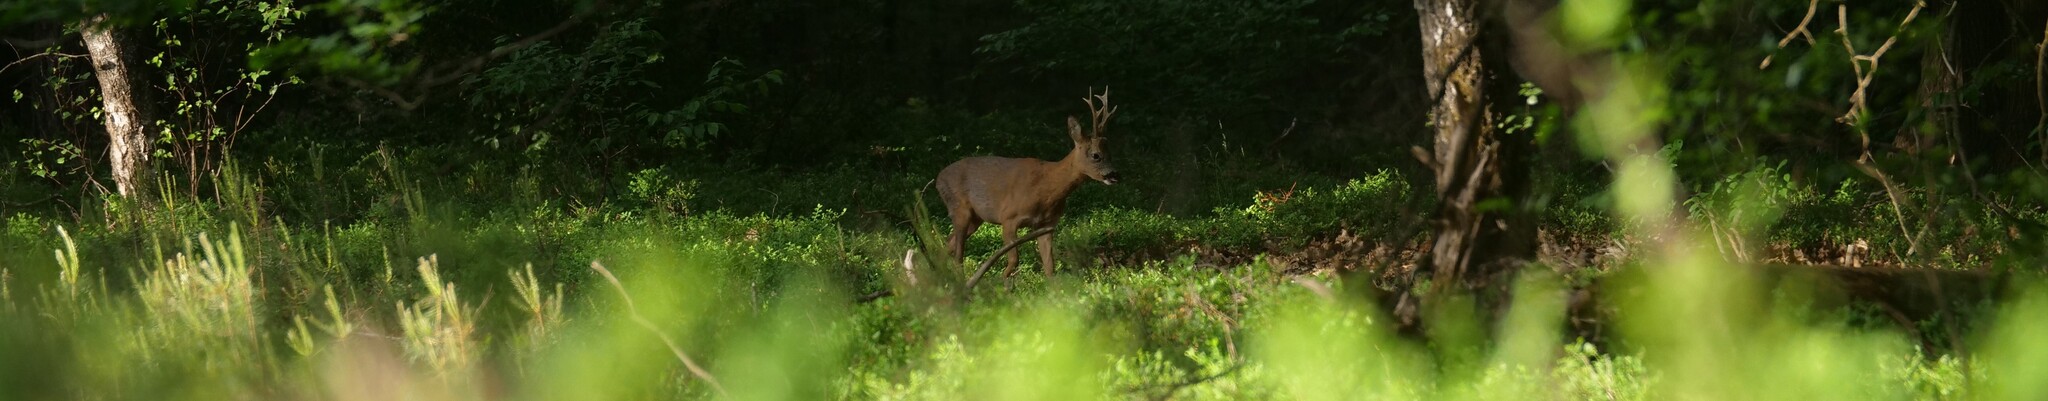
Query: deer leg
point(1045, 253)
point(957, 243)
point(1009, 236)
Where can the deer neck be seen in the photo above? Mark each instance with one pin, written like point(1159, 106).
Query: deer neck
point(1066, 175)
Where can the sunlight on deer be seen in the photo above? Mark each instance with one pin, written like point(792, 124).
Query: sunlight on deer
point(1025, 192)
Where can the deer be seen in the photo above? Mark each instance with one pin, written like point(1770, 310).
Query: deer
point(1019, 193)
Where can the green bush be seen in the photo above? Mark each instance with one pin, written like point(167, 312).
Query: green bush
point(1372, 207)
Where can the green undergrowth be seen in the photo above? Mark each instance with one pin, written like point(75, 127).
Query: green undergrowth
point(427, 292)
point(1828, 221)
point(1766, 213)
point(764, 306)
point(1380, 207)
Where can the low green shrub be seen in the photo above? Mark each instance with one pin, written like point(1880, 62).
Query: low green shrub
point(1375, 207)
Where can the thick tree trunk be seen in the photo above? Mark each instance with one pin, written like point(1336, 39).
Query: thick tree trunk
point(1475, 169)
point(124, 113)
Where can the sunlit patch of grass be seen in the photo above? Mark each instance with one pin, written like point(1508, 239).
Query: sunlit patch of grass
point(302, 340)
point(1325, 351)
point(439, 328)
point(1032, 353)
point(204, 300)
point(542, 309)
point(2013, 359)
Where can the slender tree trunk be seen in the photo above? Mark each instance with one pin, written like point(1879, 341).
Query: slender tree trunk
point(125, 115)
point(2040, 91)
point(1474, 167)
point(1939, 78)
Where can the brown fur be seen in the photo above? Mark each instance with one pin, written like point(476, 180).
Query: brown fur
point(1022, 192)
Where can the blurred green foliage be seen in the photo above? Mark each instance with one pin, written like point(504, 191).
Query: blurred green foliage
point(1174, 329)
point(410, 193)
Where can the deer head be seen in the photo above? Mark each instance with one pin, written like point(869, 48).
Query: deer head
point(1088, 153)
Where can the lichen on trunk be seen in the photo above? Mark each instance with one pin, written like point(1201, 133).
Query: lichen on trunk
point(124, 113)
point(1473, 165)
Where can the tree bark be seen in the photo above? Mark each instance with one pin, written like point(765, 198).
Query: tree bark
point(1939, 80)
point(1478, 236)
point(123, 112)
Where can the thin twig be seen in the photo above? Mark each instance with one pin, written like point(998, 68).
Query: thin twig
point(971, 281)
point(1317, 288)
point(872, 296)
point(909, 275)
point(1606, 380)
point(1796, 32)
point(18, 43)
point(27, 203)
point(1891, 191)
point(1271, 146)
point(1858, 107)
point(373, 334)
point(634, 312)
point(998, 255)
point(38, 55)
point(1714, 230)
point(1230, 325)
point(449, 72)
point(1185, 383)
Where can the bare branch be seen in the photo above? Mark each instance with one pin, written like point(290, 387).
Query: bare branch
point(1272, 146)
point(1895, 34)
point(1171, 388)
point(1799, 31)
point(1316, 287)
point(1858, 106)
point(873, 296)
point(634, 312)
point(978, 272)
point(452, 71)
point(19, 43)
point(39, 55)
point(1898, 201)
point(1842, 28)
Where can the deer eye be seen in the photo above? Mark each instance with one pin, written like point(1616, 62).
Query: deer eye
point(1095, 156)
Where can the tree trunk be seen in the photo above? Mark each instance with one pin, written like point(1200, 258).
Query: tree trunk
point(1939, 79)
point(1478, 236)
point(124, 113)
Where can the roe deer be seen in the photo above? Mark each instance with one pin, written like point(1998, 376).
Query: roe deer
point(1023, 192)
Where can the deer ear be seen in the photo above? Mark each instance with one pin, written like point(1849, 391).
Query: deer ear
point(1074, 130)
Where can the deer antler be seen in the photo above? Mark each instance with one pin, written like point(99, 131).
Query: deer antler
point(1099, 113)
